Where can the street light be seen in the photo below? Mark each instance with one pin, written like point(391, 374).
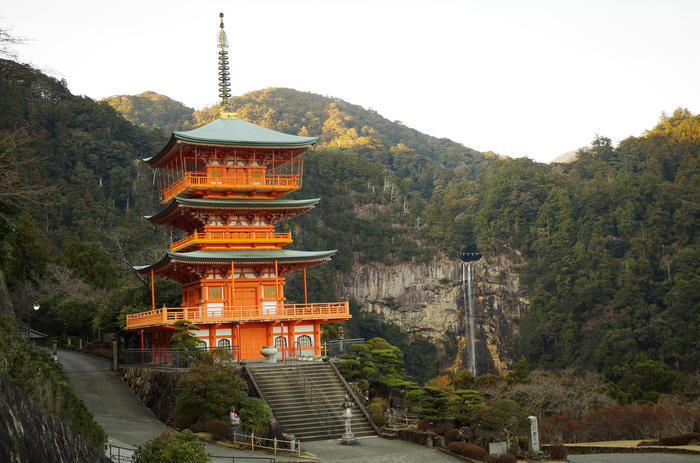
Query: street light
point(36, 307)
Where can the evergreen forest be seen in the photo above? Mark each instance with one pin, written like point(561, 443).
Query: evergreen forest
point(607, 243)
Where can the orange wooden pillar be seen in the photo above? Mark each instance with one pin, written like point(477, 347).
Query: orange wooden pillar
point(317, 338)
point(153, 291)
point(292, 346)
point(306, 298)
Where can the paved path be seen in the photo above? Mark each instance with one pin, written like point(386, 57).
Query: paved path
point(129, 423)
point(635, 458)
point(376, 450)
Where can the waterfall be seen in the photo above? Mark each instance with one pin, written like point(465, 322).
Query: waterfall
point(468, 268)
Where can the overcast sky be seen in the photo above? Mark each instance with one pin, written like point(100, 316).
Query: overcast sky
point(521, 78)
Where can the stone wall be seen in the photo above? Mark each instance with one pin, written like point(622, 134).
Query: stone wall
point(28, 433)
point(155, 388)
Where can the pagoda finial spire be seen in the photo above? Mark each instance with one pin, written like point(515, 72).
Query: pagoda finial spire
point(224, 78)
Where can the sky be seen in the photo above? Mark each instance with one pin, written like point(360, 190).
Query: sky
point(520, 78)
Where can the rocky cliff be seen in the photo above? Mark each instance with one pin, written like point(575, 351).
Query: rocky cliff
point(428, 300)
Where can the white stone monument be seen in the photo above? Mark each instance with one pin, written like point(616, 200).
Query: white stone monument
point(534, 435)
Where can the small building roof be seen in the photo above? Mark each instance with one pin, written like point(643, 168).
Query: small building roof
point(235, 132)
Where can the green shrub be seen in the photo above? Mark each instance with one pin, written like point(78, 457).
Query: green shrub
point(219, 429)
point(209, 390)
point(169, 447)
point(255, 415)
point(680, 439)
point(557, 452)
point(376, 409)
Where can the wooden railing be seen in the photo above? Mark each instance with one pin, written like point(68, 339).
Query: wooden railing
point(233, 180)
point(233, 237)
point(170, 315)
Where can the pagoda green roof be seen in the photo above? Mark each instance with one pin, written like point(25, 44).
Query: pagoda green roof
point(244, 256)
point(232, 204)
point(231, 131)
point(235, 132)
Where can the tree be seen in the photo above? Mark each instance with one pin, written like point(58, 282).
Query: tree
point(505, 420)
point(183, 338)
point(464, 405)
point(208, 390)
point(169, 447)
point(378, 364)
point(429, 403)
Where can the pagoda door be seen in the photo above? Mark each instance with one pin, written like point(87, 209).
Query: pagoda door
point(245, 300)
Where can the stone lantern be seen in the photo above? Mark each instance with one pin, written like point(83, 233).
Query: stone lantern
point(348, 438)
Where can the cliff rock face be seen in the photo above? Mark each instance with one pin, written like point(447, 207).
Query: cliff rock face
point(29, 433)
point(428, 300)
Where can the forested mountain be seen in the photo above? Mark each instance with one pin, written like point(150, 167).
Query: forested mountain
point(151, 110)
point(608, 242)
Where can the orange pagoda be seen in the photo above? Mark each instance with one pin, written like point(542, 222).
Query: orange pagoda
point(222, 185)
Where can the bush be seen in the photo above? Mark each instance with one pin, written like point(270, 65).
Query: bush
point(473, 451)
point(557, 452)
point(413, 435)
point(184, 421)
point(172, 448)
point(456, 447)
point(209, 389)
point(680, 439)
point(219, 429)
point(505, 458)
point(442, 428)
point(451, 435)
point(376, 409)
point(255, 415)
point(423, 425)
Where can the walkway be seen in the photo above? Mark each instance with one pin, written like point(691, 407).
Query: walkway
point(129, 423)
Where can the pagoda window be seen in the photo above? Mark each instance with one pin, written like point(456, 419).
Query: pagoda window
point(215, 293)
point(304, 341)
point(270, 292)
point(201, 344)
point(224, 343)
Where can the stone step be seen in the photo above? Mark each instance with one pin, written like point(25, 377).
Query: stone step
point(286, 392)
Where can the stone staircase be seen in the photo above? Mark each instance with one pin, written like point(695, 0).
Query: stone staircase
point(306, 398)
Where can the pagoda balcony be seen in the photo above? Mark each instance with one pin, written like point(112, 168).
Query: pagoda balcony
point(230, 183)
point(233, 239)
point(328, 311)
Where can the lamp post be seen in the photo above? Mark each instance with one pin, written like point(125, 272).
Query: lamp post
point(348, 437)
point(36, 307)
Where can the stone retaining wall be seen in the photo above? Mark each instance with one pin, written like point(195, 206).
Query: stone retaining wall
point(29, 433)
point(154, 387)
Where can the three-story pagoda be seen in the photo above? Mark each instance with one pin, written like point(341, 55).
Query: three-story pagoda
point(222, 185)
